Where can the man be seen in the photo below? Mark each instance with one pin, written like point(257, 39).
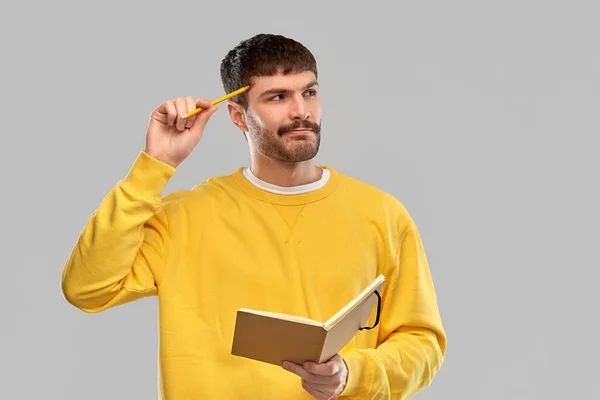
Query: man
point(281, 235)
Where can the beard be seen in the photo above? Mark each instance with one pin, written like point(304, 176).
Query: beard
point(278, 146)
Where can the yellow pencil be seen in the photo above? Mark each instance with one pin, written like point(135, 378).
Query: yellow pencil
point(227, 96)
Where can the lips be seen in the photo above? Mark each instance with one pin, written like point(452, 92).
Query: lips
point(298, 131)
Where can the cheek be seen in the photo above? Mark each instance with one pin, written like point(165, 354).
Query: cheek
point(316, 112)
point(272, 124)
point(255, 122)
point(263, 121)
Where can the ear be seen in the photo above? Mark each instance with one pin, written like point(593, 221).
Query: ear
point(237, 115)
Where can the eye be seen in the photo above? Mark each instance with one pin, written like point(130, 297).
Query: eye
point(275, 97)
point(312, 92)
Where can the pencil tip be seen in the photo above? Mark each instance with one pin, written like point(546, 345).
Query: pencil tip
point(184, 117)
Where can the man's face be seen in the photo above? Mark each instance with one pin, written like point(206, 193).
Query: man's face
point(284, 116)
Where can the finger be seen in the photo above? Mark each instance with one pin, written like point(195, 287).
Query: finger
point(181, 106)
point(191, 106)
point(317, 391)
point(166, 113)
point(207, 110)
point(329, 391)
point(202, 117)
point(203, 103)
point(329, 368)
point(298, 370)
point(304, 374)
point(314, 386)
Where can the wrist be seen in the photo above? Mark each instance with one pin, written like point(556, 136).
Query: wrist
point(162, 158)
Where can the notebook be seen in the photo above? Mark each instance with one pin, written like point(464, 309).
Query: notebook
point(274, 338)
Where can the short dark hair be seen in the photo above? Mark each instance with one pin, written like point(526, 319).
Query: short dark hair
point(263, 55)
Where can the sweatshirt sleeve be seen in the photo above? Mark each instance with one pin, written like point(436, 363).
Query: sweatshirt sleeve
point(411, 340)
point(122, 249)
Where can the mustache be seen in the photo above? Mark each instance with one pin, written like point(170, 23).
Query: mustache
point(299, 125)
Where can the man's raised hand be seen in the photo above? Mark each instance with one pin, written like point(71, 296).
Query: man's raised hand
point(170, 138)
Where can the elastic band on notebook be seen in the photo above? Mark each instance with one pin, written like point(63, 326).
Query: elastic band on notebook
point(378, 313)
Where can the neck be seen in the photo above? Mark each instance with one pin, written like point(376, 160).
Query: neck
point(282, 173)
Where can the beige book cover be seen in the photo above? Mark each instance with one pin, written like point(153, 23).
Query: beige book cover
point(274, 338)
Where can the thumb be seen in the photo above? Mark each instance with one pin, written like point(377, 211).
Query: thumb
point(201, 120)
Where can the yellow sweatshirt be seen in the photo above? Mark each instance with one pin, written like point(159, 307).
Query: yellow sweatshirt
point(227, 244)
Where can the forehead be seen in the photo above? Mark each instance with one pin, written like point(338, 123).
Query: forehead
point(294, 81)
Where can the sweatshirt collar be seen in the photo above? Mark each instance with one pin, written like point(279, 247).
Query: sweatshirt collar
point(288, 196)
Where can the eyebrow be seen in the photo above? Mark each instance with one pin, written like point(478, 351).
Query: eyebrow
point(281, 90)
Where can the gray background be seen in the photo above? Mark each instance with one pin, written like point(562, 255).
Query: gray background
point(481, 117)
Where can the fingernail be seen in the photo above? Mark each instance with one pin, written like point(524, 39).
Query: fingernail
point(286, 365)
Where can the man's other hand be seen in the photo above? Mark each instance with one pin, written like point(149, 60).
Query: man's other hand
point(323, 381)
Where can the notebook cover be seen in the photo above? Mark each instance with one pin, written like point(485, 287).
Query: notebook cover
point(274, 341)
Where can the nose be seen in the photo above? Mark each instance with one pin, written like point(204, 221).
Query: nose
point(298, 109)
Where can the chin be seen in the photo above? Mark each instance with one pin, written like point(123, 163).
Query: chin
point(301, 155)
